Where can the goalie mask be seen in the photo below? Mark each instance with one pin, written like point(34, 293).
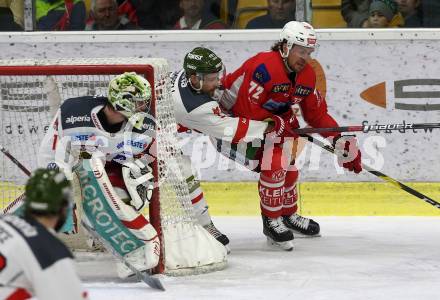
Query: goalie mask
point(129, 93)
point(205, 64)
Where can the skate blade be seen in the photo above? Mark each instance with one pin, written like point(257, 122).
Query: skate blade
point(286, 246)
point(228, 250)
point(300, 235)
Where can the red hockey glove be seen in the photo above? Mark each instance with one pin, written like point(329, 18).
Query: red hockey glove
point(282, 128)
point(348, 153)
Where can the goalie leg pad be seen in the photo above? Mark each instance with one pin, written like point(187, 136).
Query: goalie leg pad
point(126, 230)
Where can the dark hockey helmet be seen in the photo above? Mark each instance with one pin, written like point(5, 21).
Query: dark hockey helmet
point(47, 192)
point(202, 61)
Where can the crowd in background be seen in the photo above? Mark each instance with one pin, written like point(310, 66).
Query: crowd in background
point(211, 14)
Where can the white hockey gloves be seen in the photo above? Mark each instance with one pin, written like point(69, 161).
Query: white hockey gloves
point(139, 180)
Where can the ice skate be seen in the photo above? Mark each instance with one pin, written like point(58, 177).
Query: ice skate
point(301, 226)
point(278, 235)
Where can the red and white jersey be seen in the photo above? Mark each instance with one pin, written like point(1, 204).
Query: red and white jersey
point(34, 263)
point(77, 128)
point(261, 87)
point(202, 113)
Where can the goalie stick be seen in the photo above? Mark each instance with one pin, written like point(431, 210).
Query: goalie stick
point(365, 128)
point(143, 276)
point(379, 174)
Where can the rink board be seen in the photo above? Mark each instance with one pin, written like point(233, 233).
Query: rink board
point(327, 199)
point(315, 198)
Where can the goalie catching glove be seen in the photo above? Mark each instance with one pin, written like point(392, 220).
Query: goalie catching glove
point(139, 181)
point(348, 153)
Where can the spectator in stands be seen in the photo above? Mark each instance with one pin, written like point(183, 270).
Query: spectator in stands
point(382, 13)
point(104, 16)
point(355, 12)
point(193, 17)
point(280, 12)
point(156, 14)
point(410, 10)
point(11, 15)
point(431, 13)
point(60, 14)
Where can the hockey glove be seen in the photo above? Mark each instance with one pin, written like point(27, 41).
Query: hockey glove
point(348, 153)
point(283, 128)
point(139, 180)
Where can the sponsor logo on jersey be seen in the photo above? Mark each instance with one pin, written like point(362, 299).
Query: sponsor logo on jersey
point(75, 119)
point(302, 91)
point(82, 137)
point(135, 144)
point(261, 75)
point(183, 82)
point(281, 88)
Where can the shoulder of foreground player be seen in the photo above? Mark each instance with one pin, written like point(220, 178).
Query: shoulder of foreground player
point(45, 246)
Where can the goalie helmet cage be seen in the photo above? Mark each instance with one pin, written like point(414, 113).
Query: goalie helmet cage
point(31, 92)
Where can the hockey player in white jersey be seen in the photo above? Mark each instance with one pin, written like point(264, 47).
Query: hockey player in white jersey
point(106, 141)
point(196, 108)
point(33, 262)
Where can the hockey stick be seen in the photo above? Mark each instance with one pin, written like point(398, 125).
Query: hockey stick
point(379, 174)
point(153, 282)
point(21, 167)
point(15, 161)
point(368, 128)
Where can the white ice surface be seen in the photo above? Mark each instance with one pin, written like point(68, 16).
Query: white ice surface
point(356, 258)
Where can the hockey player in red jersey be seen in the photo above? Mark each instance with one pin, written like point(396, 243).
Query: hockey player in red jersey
point(196, 108)
point(265, 87)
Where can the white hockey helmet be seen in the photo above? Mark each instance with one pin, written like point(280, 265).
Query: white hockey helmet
point(298, 33)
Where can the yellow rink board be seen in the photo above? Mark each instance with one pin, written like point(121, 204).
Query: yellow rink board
point(315, 198)
point(327, 199)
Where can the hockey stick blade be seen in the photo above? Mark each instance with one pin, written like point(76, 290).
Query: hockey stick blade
point(153, 282)
point(379, 174)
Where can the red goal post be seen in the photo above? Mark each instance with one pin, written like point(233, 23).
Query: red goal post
point(27, 106)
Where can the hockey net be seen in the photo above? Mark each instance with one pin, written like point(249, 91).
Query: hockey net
point(27, 106)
